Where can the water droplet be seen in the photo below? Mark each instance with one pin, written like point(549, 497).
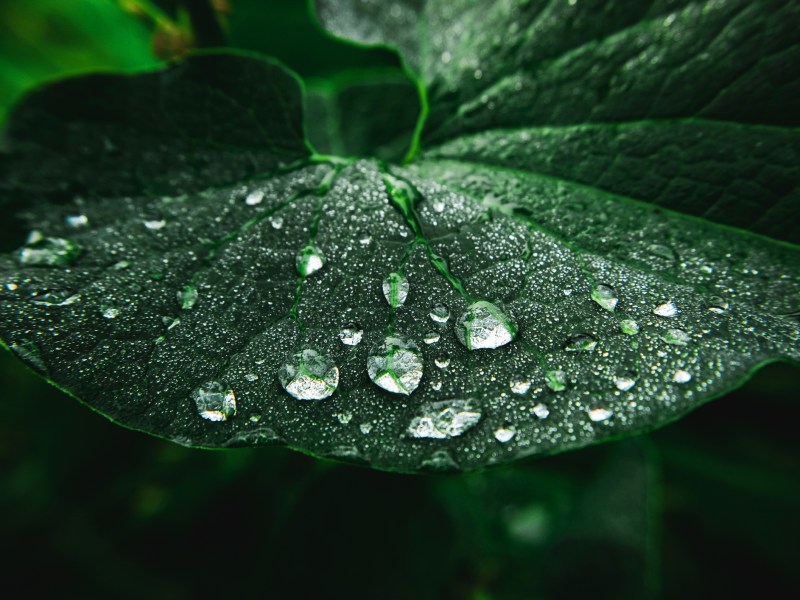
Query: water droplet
point(541, 410)
point(187, 297)
point(440, 313)
point(442, 361)
point(48, 251)
point(438, 206)
point(54, 297)
point(436, 385)
point(582, 342)
point(309, 375)
point(170, 322)
point(662, 251)
point(351, 335)
point(556, 380)
point(365, 428)
point(344, 418)
point(520, 385)
point(682, 376)
point(395, 365)
point(668, 309)
point(484, 325)
point(215, 401)
point(444, 419)
point(677, 337)
point(395, 289)
point(276, 221)
point(600, 414)
point(251, 377)
point(254, 418)
point(431, 337)
point(76, 221)
point(11, 287)
point(605, 296)
point(155, 224)
point(624, 383)
point(109, 312)
point(717, 305)
point(254, 197)
point(309, 260)
point(629, 327)
point(119, 266)
point(364, 238)
point(504, 434)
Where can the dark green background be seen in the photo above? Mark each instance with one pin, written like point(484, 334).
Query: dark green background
point(702, 508)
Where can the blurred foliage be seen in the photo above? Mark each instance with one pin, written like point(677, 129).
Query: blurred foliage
point(703, 508)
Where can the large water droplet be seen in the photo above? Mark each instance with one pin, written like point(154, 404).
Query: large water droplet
point(55, 298)
point(48, 251)
point(625, 382)
point(677, 337)
point(682, 376)
point(155, 224)
point(351, 335)
point(440, 313)
point(109, 311)
point(444, 419)
point(668, 309)
point(276, 221)
point(442, 361)
point(717, 305)
point(504, 434)
point(364, 238)
point(582, 342)
point(605, 296)
point(309, 375)
point(556, 380)
point(541, 410)
point(253, 198)
point(431, 337)
point(600, 414)
point(395, 289)
point(395, 365)
point(309, 260)
point(484, 325)
point(187, 297)
point(519, 385)
point(629, 327)
point(215, 401)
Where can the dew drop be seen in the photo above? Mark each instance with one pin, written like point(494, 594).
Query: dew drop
point(395, 289)
point(395, 365)
point(309, 375)
point(629, 327)
point(677, 337)
point(187, 297)
point(431, 337)
point(48, 251)
point(444, 419)
point(520, 385)
point(605, 296)
point(276, 221)
point(364, 238)
point(582, 342)
point(76, 221)
point(53, 298)
point(251, 377)
point(556, 380)
point(682, 376)
point(541, 410)
point(717, 305)
point(504, 434)
point(109, 312)
point(351, 335)
point(600, 414)
point(253, 198)
point(170, 322)
point(662, 251)
point(440, 313)
point(365, 428)
point(309, 260)
point(624, 383)
point(484, 325)
point(438, 206)
point(442, 361)
point(215, 401)
point(155, 224)
point(344, 418)
point(436, 385)
point(668, 309)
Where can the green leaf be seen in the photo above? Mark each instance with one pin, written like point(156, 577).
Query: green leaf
point(205, 278)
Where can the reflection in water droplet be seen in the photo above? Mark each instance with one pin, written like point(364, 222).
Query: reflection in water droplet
point(48, 252)
point(254, 197)
point(484, 325)
point(442, 361)
point(440, 313)
point(431, 337)
point(717, 305)
point(395, 365)
point(351, 335)
point(276, 221)
point(682, 376)
point(541, 410)
point(309, 260)
point(444, 419)
point(629, 327)
point(605, 296)
point(155, 224)
point(582, 342)
point(504, 434)
point(556, 380)
point(109, 312)
point(668, 309)
point(520, 385)
point(395, 289)
point(187, 297)
point(309, 375)
point(215, 401)
point(600, 414)
point(52, 298)
point(677, 337)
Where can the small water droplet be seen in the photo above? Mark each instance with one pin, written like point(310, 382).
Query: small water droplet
point(624, 383)
point(395, 289)
point(344, 418)
point(438, 206)
point(187, 297)
point(431, 337)
point(276, 221)
point(520, 385)
point(254, 418)
point(668, 309)
point(109, 312)
point(251, 377)
point(504, 434)
point(444, 419)
point(48, 251)
point(677, 337)
point(365, 428)
point(76, 221)
point(53, 297)
point(155, 224)
point(309, 260)
point(556, 380)
point(121, 265)
point(541, 410)
point(170, 322)
point(717, 305)
point(440, 313)
point(215, 401)
point(436, 385)
point(600, 414)
point(351, 335)
point(364, 238)
point(682, 376)
point(582, 342)
point(442, 361)
point(12, 287)
point(309, 375)
point(629, 327)
point(484, 325)
point(253, 198)
point(395, 365)
point(605, 296)
point(662, 251)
